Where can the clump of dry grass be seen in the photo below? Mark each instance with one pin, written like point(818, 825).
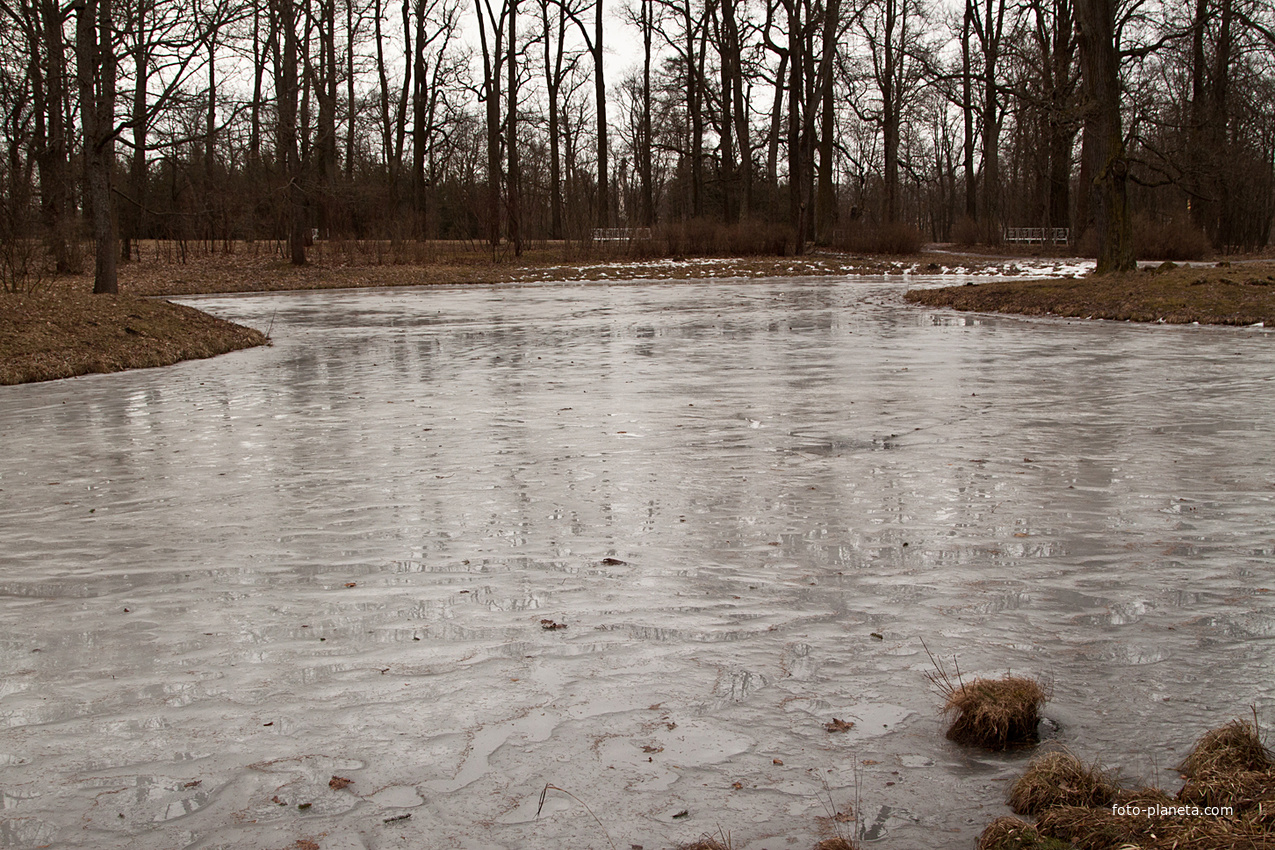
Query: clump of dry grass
point(1237, 746)
point(993, 713)
point(721, 841)
point(837, 843)
point(1228, 768)
point(1061, 779)
point(1009, 833)
point(996, 713)
point(1244, 790)
point(1091, 829)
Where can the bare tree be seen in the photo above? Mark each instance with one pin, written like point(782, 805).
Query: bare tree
point(1104, 144)
point(285, 46)
point(95, 73)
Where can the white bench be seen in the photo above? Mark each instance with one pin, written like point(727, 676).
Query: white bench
point(1038, 235)
point(621, 234)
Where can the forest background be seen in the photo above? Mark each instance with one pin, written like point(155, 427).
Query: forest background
point(748, 126)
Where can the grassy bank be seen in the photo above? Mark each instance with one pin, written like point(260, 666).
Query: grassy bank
point(341, 265)
point(1217, 295)
point(63, 333)
point(61, 330)
point(1225, 804)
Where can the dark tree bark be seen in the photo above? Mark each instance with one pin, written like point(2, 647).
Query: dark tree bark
point(325, 88)
point(351, 38)
point(96, 72)
point(258, 77)
point(131, 212)
point(967, 113)
point(555, 54)
point(826, 202)
point(493, 57)
point(512, 191)
point(420, 107)
point(644, 150)
point(1055, 41)
point(1103, 135)
point(990, 29)
point(210, 117)
point(600, 107)
point(383, 86)
point(798, 201)
point(734, 59)
point(52, 145)
point(287, 95)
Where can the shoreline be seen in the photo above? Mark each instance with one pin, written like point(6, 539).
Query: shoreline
point(62, 330)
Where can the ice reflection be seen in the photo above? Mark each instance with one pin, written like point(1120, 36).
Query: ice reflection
point(637, 541)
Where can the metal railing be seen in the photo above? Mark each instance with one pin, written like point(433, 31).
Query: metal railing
point(1038, 235)
point(621, 234)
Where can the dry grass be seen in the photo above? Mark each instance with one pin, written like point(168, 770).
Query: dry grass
point(1061, 779)
point(1235, 747)
point(60, 334)
point(996, 713)
point(1229, 768)
point(1008, 833)
point(992, 713)
point(1221, 295)
point(256, 267)
point(837, 843)
point(706, 841)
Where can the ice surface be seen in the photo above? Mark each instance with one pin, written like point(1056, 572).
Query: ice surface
point(225, 582)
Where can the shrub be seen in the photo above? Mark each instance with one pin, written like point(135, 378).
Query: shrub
point(966, 232)
point(895, 238)
point(1168, 240)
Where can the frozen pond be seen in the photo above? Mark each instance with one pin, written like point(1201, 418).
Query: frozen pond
point(226, 582)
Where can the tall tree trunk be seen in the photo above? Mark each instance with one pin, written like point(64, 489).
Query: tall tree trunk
point(726, 124)
point(210, 118)
point(1100, 70)
point(644, 151)
point(350, 37)
point(258, 74)
point(1062, 133)
point(600, 97)
point(95, 70)
point(990, 31)
point(1219, 124)
point(287, 91)
point(420, 99)
point(891, 119)
point(735, 60)
point(826, 202)
point(967, 113)
point(134, 205)
point(405, 97)
point(776, 132)
point(694, 113)
point(553, 82)
point(491, 98)
point(325, 92)
point(53, 159)
point(382, 78)
point(512, 194)
point(797, 201)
